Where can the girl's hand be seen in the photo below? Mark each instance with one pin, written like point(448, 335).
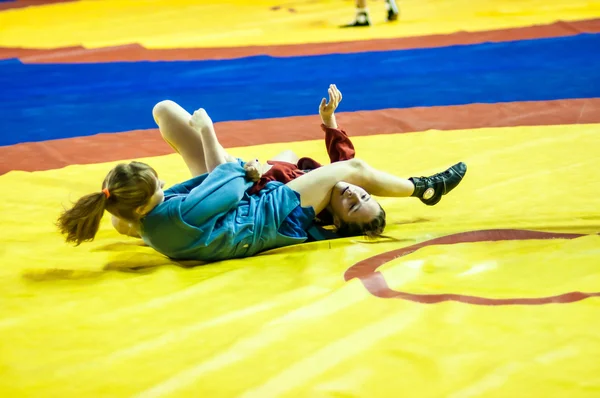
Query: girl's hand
point(253, 170)
point(326, 109)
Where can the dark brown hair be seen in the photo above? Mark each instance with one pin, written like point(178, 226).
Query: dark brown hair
point(372, 229)
point(129, 185)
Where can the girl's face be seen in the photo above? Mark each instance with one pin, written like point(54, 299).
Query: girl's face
point(352, 204)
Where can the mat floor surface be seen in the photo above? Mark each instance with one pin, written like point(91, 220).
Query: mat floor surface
point(494, 292)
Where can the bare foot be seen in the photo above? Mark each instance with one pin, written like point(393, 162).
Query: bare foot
point(200, 120)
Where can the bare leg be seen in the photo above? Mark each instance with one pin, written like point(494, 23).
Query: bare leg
point(315, 187)
point(173, 123)
point(214, 154)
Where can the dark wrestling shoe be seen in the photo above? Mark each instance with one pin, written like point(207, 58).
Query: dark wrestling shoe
point(392, 10)
point(431, 189)
point(362, 19)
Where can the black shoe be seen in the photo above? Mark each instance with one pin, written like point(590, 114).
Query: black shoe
point(392, 10)
point(431, 189)
point(362, 19)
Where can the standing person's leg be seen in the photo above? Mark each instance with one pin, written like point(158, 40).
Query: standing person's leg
point(363, 18)
point(392, 10)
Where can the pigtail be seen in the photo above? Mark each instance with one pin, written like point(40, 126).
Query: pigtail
point(81, 222)
point(131, 186)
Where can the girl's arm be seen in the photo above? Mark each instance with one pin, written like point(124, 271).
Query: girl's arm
point(222, 191)
point(125, 228)
point(327, 109)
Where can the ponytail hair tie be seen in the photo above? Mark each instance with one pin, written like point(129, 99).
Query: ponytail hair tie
point(106, 193)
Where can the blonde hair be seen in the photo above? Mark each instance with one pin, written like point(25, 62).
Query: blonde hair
point(129, 186)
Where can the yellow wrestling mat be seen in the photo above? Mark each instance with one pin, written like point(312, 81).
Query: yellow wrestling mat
point(286, 323)
point(192, 23)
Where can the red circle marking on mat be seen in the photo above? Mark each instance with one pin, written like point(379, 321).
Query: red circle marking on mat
point(376, 284)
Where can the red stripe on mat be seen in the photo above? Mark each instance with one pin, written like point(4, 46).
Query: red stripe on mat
point(136, 52)
point(146, 143)
point(29, 3)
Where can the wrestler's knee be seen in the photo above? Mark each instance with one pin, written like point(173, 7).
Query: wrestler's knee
point(163, 110)
point(357, 164)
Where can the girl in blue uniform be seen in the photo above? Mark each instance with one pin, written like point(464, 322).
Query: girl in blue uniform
point(212, 217)
point(367, 218)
